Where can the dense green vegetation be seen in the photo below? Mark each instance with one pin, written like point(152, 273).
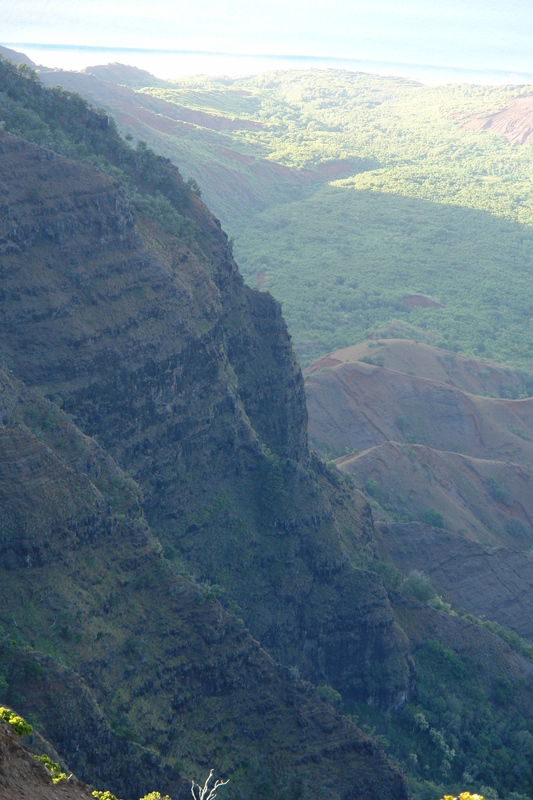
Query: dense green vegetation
point(428, 208)
point(386, 248)
point(456, 732)
point(463, 725)
point(64, 122)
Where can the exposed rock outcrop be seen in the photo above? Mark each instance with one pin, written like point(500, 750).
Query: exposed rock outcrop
point(514, 123)
point(493, 583)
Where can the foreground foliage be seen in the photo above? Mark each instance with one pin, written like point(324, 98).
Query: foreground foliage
point(18, 724)
point(464, 796)
point(56, 773)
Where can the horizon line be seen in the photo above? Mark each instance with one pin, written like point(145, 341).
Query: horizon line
point(270, 56)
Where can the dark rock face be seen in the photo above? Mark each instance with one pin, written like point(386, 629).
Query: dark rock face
point(151, 679)
point(187, 377)
point(495, 583)
point(271, 389)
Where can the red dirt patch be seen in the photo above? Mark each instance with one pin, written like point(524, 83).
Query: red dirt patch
point(201, 118)
point(266, 168)
point(515, 123)
point(334, 169)
point(205, 120)
point(234, 156)
point(322, 363)
point(421, 300)
point(180, 115)
point(324, 172)
point(154, 121)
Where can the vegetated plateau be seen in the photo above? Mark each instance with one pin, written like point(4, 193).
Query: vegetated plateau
point(347, 194)
point(183, 584)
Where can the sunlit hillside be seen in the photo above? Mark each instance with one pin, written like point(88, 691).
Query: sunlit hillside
point(345, 193)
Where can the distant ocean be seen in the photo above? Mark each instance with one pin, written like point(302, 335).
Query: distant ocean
point(180, 63)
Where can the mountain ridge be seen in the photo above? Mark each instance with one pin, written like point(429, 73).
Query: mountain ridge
point(150, 344)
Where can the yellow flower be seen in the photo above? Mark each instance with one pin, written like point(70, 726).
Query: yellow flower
point(463, 796)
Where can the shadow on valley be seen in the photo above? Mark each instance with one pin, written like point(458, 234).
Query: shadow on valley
point(475, 266)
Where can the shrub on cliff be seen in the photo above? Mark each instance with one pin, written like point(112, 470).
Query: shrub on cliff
point(464, 796)
point(418, 585)
point(433, 517)
point(52, 767)
point(498, 491)
point(19, 725)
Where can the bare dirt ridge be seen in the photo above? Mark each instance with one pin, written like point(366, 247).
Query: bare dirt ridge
point(358, 405)
point(421, 300)
point(415, 428)
point(153, 110)
point(459, 486)
point(416, 358)
point(514, 123)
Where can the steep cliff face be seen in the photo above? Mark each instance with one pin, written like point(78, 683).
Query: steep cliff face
point(188, 379)
point(135, 674)
point(127, 347)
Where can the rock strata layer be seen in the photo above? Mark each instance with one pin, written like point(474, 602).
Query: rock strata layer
point(130, 348)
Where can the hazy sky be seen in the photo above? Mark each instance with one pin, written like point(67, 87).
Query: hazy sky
point(470, 33)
